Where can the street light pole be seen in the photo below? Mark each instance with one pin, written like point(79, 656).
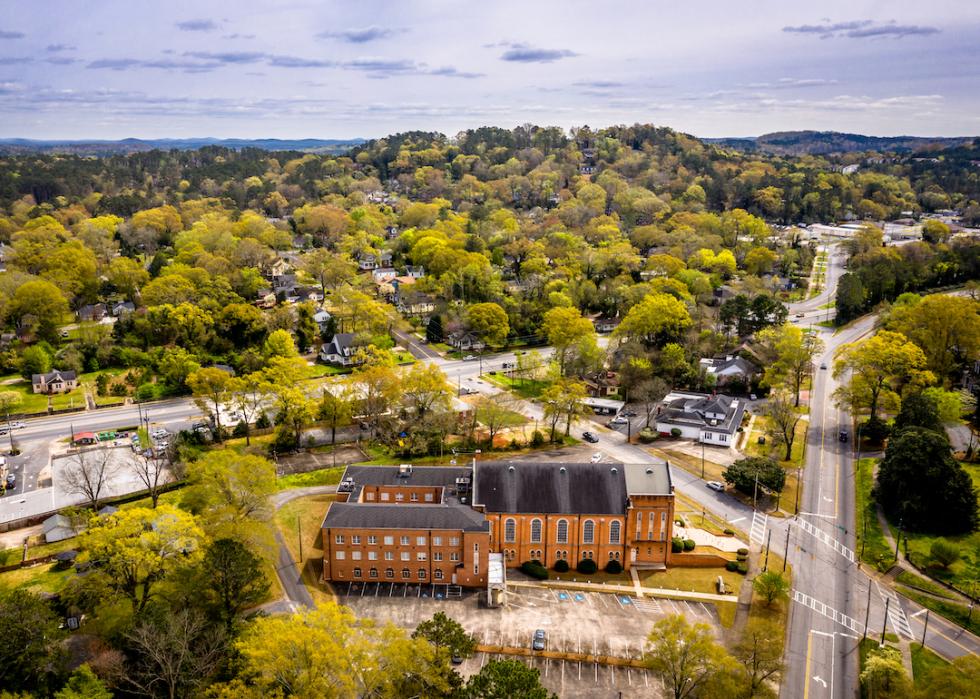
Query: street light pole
point(702, 460)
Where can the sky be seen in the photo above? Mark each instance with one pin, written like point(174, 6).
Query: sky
point(321, 69)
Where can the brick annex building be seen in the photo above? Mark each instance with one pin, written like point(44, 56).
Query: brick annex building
point(440, 524)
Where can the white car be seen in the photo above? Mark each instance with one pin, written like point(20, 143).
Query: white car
point(18, 425)
point(618, 420)
point(596, 458)
point(469, 358)
point(159, 434)
point(715, 485)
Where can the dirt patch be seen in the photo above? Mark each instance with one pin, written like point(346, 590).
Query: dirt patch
point(304, 462)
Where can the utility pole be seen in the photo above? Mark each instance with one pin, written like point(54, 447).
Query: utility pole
point(884, 624)
point(925, 626)
point(799, 487)
point(898, 538)
point(10, 432)
point(867, 611)
point(702, 460)
point(299, 530)
point(765, 566)
point(786, 552)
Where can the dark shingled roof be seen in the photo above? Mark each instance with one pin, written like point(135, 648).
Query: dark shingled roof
point(551, 488)
point(421, 475)
point(401, 516)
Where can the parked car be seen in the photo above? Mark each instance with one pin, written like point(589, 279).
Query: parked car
point(619, 420)
point(589, 437)
point(716, 486)
point(159, 433)
point(457, 660)
point(11, 481)
point(596, 458)
point(823, 365)
point(469, 358)
point(628, 413)
point(799, 315)
point(842, 435)
point(539, 640)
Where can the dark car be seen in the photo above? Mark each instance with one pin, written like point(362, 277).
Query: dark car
point(11, 481)
point(589, 437)
point(629, 413)
point(842, 435)
point(457, 660)
point(538, 642)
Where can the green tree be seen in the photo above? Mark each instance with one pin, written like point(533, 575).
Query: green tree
point(35, 360)
point(934, 231)
point(30, 655)
point(795, 351)
point(433, 329)
point(919, 410)
point(760, 651)
point(445, 632)
point(850, 299)
point(783, 418)
point(210, 387)
point(745, 473)
point(489, 322)
point(42, 304)
point(685, 656)
point(505, 679)
point(83, 684)
point(245, 394)
point(657, 319)
point(884, 676)
point(563, 401)
point(920, 483)
point(771, 586)
point(564, 328)
point(232, 579)
point(878, 369)
point(137, 549)
point(306, 327)
point(128, 276)
point(425, 388)
point(946, 328)
point(279, 344)
point(175, 365)
point(336, 408)
point(945, 553)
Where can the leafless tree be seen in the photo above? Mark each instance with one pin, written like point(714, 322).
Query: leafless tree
point(648, 393)
point(154, 472)
point(177, 652)
point(88, 472)
point(494, 411)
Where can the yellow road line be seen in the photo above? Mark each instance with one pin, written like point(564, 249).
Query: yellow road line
point(806, 677)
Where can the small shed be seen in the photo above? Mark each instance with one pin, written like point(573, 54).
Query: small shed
point(85, 438)
point(57, 528)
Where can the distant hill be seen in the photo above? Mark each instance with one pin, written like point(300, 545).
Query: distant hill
point(134, 145)
point(827, 142)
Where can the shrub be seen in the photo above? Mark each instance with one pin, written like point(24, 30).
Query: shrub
point(676, 545)
point(675, 432)
point(944, 553)
point(614, 567)
point(743, 568)
point(587, 566)
point(743, 552)
point(875, 431)
point(689, 544)
point(647, 435)
point(537, 439)
point(262, 422)
point(731, 566)
point(535, 570)
point(729, 532)
point(742, 556)
point(561, 566)
point(240, 429)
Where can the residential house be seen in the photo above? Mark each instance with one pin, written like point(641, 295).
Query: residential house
point(367, 262)
point(391, 232)
point(339, 351)
point(92, 312)
point(383, 274)
point(322, 319)
point(466, 341)
point(415, 271)
point(57, 528)
point(122, 309)
point(284, 284)
point(308, 294)
point(606, 324)
point(728, 369)
point(415, 303)
point(54, 382)
point(279, 268)
point(601, 384)
point(706, 418)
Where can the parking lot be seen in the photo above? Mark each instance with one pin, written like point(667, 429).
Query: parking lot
point(575, 622)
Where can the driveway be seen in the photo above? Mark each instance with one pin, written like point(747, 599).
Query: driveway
point(289, 573)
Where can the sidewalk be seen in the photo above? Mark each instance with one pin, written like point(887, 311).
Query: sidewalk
point(626, 590)
point(702, 537)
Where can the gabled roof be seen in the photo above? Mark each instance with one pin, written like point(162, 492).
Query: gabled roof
point(346, 515)
point(551, 488)
point(52, 376)
point(340, 343)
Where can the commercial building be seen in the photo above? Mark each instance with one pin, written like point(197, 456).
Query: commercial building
point(449, 524)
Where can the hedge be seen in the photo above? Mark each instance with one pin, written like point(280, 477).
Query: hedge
point(689, 544)
point(731, 566)
point(535, 570)
point(676, 545)
point(561, 566)
point(614, 567)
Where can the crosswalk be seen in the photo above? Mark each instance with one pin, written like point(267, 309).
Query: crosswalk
point(829, 612)
point(647, 604)
point(896, 615)
point(757, 532)
point(821, 535)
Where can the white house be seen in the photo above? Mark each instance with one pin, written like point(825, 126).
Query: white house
point(707, 418)
point(729, 368)
point(383, 274)
point(339, 351)
point(54, 382)
point(322, 318)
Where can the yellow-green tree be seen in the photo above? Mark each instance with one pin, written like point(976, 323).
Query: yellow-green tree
point(562, 400)
point(425, 389)
point(564, 327)
point(688, 659)
point(655, 320)
point(879, 368)
point(136, 549)
point(947, 328)
point(884, 675)
point(210, 387)
point(489, 322)
point(794, 351)
point(328, 653)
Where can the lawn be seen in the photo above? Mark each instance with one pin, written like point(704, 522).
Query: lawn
point(525, 388)
point(300, 520)
point(698, 516)
point(39, 578)
point(917, 582)
point(88, 381)
point(324, 476)
point(955, 612)
point(30, 402)
point(692, 579)
point(870, 540)
point(789, 496)
point(924, 660)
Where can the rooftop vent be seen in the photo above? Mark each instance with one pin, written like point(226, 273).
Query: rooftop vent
point(613, 470)
point(404, 470)
point(510, 468)
point(562, 470)
point(649, 471)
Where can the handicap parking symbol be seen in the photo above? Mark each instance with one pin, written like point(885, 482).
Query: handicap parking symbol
point(624, 600)
point(579, 597)
point(563, 596)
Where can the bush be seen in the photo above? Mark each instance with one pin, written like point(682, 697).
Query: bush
point(944, 553)
point(875, 431)
point(587, 566)
point(743, 552)
point(614, 567)
point(729, 532)
point(742, 568)
point(689, 544)
point(241, 429)
point(262, 422)
point(561, 566)
point(537, 439)
point(741, 557)
point(676, 545)
point(731, 566)
point(675, 432)
point(647, 435)
point(535, 570)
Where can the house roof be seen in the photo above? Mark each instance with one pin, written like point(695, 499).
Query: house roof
point(55, 375)
point(341, 341)
point(83, 435)
point(420, 475)
point(572, 488)
point(401, 516)
point(729, 365)
point(692, 408)
point(648, 479)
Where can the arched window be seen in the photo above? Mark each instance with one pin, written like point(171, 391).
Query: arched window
point(535, 531)
point(588, 532)
point(562, 531)
point(406, 573)
point(510, 531)
point(614, 528)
